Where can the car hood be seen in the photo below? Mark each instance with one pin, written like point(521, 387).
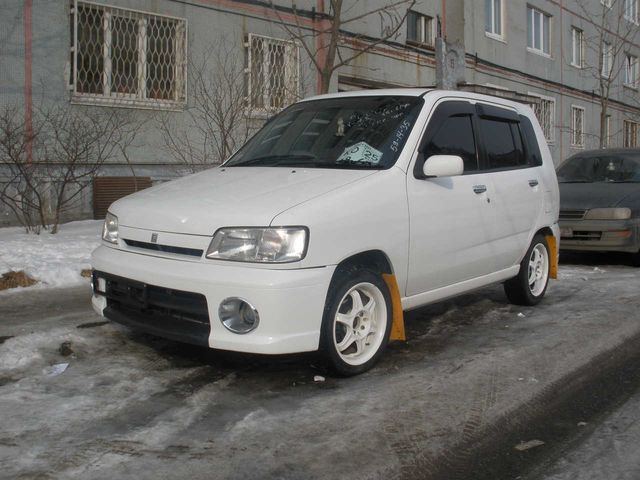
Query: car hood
point(234, 196)
point(581, 196)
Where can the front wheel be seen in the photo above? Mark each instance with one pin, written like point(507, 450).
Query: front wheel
point(356, 322)
point(530, 285)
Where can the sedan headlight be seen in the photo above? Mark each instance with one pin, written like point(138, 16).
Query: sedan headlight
point(264, 245)
point(110, 228)
point(608, 214)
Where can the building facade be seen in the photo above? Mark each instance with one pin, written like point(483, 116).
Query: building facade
point(194, 78)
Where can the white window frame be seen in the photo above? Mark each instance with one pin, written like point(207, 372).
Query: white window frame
point(607, 131)
point(631, 11)
point(577, 135)
point(291, 71)
point(547, 129)
point(492, 33)
point(630, 134)
point(606, 3)
point(577, 47)
point(607, 59)
point(630, 71)
point(540, 32)
point(140, 98)
point(424, 29)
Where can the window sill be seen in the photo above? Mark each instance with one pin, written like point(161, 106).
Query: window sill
point(631, 20)
point(494, 36)
point(423, 45)
point(575, 65)
point(577, 147)
point(99, 100)
point(630, 86)
point(539, 53)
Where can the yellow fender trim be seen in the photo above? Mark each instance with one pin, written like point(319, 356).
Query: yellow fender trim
point(553, 254)
point(397, 325)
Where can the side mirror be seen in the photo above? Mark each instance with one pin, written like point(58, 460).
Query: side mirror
point(443, 166)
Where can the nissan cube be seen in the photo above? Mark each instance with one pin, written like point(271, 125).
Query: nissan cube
point(342, 212)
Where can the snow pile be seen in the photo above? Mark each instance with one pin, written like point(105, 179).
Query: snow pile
point(54, 260)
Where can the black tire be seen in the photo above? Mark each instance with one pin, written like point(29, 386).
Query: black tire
point(518, 289)
point(342, 283)
point(635, 259)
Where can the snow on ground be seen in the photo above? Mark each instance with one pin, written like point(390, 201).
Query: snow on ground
point(53, 260)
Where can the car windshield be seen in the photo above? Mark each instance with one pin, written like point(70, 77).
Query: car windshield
point(604, 168)
point(356, 133)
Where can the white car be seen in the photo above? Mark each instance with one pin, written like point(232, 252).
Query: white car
point(342, 212)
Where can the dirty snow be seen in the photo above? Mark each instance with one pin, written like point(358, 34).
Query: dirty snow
point(53, 260)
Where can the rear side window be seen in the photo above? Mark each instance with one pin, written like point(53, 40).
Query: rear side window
point(534, 157)
point(454, 136)
point(502, 143)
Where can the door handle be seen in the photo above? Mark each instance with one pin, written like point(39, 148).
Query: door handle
point(533, 183)
point(479, 188)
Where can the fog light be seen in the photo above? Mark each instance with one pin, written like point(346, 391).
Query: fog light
point(99, 284)
point(238, 315)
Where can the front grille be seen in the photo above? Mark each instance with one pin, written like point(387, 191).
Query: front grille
point(585, 235)
point(572, 214)
point(192, 252)
point(166, 312)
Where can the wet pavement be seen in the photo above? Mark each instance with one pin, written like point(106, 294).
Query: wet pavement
point(475, 372)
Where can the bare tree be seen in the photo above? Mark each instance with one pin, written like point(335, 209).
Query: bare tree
point(612, 36)
point(70, 145)
point(215, 123)
point(322, 41)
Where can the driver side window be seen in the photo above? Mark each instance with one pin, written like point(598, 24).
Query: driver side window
point(453, 136)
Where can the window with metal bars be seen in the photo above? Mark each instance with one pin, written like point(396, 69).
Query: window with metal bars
point(123, 57)
point(545, 110)
point(272, 73)
point(577, 126)
point(630, 134)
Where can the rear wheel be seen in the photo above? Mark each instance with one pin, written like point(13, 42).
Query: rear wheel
point(530, 285)
point(357, 321)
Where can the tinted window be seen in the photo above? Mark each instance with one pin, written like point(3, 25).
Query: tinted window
point(604, 168)
point(502, 143)
point(454, 136)
point(534, 157)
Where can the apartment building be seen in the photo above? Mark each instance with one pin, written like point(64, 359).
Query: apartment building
point(164, 62)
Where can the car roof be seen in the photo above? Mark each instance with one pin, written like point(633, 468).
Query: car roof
point(606, 151)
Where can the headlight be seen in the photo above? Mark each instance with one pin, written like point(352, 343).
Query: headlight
point(608, 214)
point(264, 245)
point(110, 228)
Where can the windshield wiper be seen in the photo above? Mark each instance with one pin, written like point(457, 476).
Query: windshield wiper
point(276, 160)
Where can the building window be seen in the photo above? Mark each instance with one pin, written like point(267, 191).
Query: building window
point(419, 28)
point(545, 110)
point(577, 126)
point(631, 71)
point(577, 47)
point(607, 59)
point(630, 134)
point(273, 72)
point(121, 57)
point(606, 141)
point(538, 31)
point(631, 10)
point(493, 17)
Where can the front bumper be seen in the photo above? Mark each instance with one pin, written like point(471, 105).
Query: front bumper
point(290, 302)
point(600, 235)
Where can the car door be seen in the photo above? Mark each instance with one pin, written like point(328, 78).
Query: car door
point(451, 218)
point(516, 179)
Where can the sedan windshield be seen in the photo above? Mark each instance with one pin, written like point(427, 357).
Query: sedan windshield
point(605, 168)
point(357, 133)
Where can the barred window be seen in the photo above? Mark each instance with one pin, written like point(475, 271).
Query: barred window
point(123, 57)
point(577, 126)
point(272, 73)
point(630, 134)
point(545, 110)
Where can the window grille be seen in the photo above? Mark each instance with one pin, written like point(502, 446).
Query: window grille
point(631, 71)
point(577, 126)
point(419, 28)
point(630, 134)
point(545, 110)
point(272, 73)
point(122, 57)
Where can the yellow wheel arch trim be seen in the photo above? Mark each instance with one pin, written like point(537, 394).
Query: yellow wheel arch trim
point(397, 325)
point(552, 242)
